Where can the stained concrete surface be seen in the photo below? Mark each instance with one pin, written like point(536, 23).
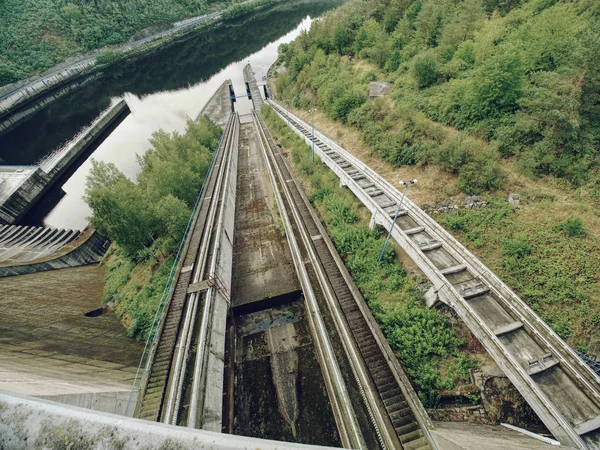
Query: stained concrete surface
point(467, 436)
point(49, 348)
point(262, 261)
point(218, 107)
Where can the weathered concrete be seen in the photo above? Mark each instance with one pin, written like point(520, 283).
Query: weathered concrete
point(218, 108)
point(48, 252)
point(27, 423)
point(48, 347)
point(262, 260)
point(22, 186)
point(212, 414)
point(249, 78)
point(463, 436)
point(55, 164)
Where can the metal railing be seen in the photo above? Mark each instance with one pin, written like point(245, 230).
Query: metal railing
point(159, 315)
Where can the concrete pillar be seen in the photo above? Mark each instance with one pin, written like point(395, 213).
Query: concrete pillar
point(431, 297)
point(373, 222)
point(342, 183)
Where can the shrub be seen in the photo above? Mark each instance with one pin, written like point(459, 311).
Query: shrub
point(498, 85)
point(425, 70)
point(517, 247)
point(573, 227)
point(454, 154)
point(480, 175)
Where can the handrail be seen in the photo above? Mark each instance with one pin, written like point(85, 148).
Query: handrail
point(158, 316)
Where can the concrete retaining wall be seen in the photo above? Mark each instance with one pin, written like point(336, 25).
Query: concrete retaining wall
point(19, 202)
point(27, 423)
point(90, 251)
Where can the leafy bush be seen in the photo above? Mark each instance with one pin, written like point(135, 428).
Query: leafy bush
point(517, 247)
point(147, 220)
point(481, 174)
point(425, 70)
point(573, 227)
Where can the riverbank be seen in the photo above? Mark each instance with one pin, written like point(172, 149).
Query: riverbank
point(16, 95)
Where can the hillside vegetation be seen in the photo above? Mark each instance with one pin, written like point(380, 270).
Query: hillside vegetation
point(437, 356)
point(522, 78)
point(36, 35)
point(502, 96)
point(146, 220)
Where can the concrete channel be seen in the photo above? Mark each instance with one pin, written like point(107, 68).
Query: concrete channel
point(561, 388)
point(264, 335)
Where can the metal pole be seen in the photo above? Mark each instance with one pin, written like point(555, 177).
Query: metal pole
point(313, 137)
point(313, 111)
point(393, 223)
point(287, 114)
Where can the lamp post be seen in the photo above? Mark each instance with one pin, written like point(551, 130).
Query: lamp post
point(313, 111)
point(287, 113)
point(406, 184)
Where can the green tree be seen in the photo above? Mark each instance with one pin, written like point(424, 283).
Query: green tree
point(425, 69)
point(498, 85)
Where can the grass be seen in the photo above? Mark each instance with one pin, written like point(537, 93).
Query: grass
point(135, 289)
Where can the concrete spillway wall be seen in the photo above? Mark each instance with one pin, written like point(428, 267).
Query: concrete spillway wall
point(22, 187)
point(89, 248)
point(15, 202)
point(55, 164)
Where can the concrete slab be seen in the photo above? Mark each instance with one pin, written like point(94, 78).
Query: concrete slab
point(262, 260)
point(467, 436)
point(51, 349)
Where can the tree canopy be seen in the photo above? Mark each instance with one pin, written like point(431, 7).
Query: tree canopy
point(156, 207)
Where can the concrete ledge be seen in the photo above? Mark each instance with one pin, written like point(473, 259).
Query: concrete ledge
point(88, 249)
point(27, 423)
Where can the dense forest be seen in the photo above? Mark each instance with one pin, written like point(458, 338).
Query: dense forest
point(521, 77)
point(36, 35)
point(146, 219)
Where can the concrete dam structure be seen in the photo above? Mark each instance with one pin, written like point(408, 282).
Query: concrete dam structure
point(22, 186)
point(262, 331)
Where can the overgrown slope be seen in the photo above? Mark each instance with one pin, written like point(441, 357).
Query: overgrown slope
point(523, 77)
point(502, 96)
point(147, 219)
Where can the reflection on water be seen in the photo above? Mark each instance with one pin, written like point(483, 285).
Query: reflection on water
point(193, 70)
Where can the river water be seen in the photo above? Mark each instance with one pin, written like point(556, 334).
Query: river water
point(162, 90)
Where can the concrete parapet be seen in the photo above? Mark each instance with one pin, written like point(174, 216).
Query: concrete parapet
point(27, 423)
